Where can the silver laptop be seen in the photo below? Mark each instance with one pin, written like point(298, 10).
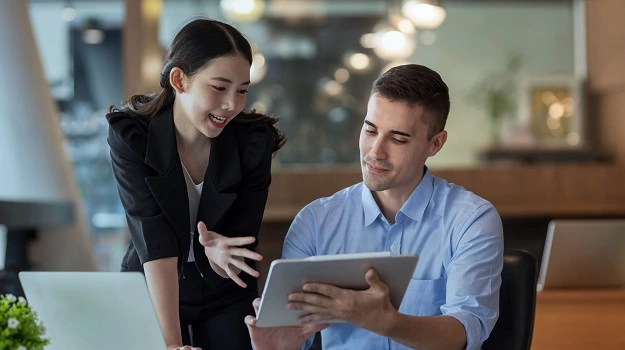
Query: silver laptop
point(94, 310)
point(583, 254)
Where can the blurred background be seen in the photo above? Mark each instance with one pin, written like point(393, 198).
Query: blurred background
point(314, 64)
point(537, 91)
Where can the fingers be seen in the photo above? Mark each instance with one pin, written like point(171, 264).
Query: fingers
point(323, 289)
point(235, 278)
point(239, 241)
point(309, 298)
point(372, 277)
point(241, 265)
point(250, 321)
point(256, 305)
point(207, 237)
point(316, 318)
point(246, 253)
point(201, 228)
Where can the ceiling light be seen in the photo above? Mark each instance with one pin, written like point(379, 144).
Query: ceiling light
point(243, 10)
point(428, 14)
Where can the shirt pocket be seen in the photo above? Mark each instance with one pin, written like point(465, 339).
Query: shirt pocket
point(424, 297)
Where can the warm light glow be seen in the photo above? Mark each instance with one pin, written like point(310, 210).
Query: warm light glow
point(405, 26)
point(152, 9)
point(359, 61)
point(548, 97)
point(553, 124)
point(332, 87)
point(394, 45)
point(556, 110)
point(243, 10)
point(367, 40)
point(341, 75)
point(423, 14)
point(573, 138)
point(152, 65)
point(258, 70)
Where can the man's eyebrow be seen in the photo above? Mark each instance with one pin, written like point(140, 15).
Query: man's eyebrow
point(396, 132)
point(226, 80)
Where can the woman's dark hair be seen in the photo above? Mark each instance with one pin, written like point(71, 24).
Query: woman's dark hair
point(415, 85)
point(195, 45)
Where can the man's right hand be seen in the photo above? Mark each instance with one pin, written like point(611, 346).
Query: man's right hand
point(279, 338)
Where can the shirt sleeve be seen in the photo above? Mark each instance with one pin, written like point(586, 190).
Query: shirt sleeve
point(474, 275)
point(299, 243)
point(300, 239)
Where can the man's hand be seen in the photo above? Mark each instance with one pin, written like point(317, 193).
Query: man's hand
point(185, 347)
point(279, 338)
point(225, 255)
point(370, 309)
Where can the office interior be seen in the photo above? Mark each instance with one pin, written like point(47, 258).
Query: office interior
point(538, 112)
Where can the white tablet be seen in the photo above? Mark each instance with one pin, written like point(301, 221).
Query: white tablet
point(344, 270)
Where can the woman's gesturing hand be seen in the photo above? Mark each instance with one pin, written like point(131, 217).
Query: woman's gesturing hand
point(225, 254)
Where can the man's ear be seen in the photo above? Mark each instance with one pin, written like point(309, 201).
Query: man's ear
point(437, 142)
point(178, 80)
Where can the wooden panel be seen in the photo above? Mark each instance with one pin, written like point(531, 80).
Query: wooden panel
point(605, 43)
point(143, 57)
point(611, 108)
point(516, 191)
point(592, 319)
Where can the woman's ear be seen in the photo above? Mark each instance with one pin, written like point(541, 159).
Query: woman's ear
point(177, 79)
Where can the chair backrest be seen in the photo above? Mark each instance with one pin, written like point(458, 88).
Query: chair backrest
point(517, 302)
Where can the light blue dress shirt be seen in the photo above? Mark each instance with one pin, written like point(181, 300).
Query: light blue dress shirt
point(457, 235)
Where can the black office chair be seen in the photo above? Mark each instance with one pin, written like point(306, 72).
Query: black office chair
point(517, 303)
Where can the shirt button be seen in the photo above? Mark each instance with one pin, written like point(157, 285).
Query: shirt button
point(392, 247)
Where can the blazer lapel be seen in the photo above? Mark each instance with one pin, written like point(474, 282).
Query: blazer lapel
point(169, 187)
point(223, 173)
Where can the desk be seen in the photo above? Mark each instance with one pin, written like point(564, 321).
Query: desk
point(580, 319)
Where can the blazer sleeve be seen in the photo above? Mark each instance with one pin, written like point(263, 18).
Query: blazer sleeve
point(150, 232)
point(245, 215)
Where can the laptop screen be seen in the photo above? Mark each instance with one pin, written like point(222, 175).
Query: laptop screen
point(93, 310)
point(583, 254)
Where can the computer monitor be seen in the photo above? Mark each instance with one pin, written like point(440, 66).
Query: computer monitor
point(93, 310)
point(584, 253)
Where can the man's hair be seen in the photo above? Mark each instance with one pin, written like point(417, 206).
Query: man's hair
point(417, 85)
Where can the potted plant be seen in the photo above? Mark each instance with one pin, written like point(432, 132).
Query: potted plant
point(497, 94)
point(19, 327)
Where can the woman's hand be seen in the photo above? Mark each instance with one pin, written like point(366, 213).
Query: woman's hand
point(226, 256)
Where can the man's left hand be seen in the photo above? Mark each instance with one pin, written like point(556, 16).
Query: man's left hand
point(370, 309)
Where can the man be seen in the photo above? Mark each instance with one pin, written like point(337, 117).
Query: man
point(452, 301)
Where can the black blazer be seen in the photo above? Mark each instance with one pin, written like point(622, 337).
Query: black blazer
point(153, 191)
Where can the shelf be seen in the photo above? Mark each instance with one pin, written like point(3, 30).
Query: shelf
point(541, 190)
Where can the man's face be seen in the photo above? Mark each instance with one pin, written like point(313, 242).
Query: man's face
point(394, 146)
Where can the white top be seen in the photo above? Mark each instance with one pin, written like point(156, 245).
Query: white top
point(194, 193)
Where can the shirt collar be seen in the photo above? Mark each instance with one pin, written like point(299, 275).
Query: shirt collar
point(413, 208)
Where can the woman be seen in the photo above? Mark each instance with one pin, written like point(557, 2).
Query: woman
point(193, 171)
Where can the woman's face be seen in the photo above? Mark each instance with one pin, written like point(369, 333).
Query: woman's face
point(216, 93)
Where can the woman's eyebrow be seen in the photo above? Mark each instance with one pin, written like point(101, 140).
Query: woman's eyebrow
point(226, 80)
